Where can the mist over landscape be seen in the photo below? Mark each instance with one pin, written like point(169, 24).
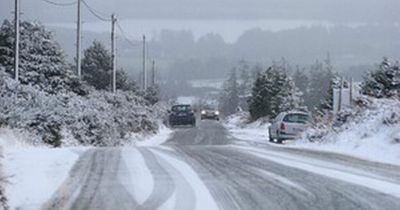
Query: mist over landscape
point(212, 36)
point(199, 104)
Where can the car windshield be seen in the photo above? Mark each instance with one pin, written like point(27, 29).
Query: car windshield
point(296, 118)
point(184, 108)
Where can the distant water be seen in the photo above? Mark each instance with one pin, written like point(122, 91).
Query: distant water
point(230, 30)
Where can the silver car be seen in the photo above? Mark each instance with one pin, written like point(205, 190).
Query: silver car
point(288, 125)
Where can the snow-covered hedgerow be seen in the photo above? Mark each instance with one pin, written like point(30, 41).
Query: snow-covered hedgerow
point(370, 130)
point(99, 118)
point(3, 198)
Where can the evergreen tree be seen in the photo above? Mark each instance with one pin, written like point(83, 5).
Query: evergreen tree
point(273, 92)
point(383, 82)
point(301, 80)
point(124, 82)
point(152, 94)
point(320, 82)
point(327, 103)
point(42, 61)
point(96, 66)
point(229, 99)
point(244, 87)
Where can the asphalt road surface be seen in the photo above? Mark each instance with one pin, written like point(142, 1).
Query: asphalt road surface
point(206, 168)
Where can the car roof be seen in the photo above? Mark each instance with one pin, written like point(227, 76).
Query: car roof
point(181, 105)
point(297, 112)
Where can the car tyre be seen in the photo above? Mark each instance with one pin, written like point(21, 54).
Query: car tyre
point(270, 136)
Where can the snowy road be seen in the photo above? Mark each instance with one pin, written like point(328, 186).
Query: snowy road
point(205, 168)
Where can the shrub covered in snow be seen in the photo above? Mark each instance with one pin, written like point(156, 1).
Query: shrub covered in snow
point(54, 106)
point(99, 118)
point(374, 123)
point(3, 198)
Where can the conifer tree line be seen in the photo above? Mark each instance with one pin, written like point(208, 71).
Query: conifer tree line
point(265, 92)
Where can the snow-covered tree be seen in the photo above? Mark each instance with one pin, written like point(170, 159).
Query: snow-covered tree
point(229, 99)
point(124, 82)
point(54, 107)
point(273, 92)
point(96, 66)
point(321, 75)
point(383, 82)
point(301, 79)
point(152, 94)
point(42, 61)
point(327, 102)
point(244, 86)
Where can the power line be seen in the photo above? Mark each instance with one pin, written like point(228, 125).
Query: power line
point(95, 13)
point(125, 36)
point(60, 4)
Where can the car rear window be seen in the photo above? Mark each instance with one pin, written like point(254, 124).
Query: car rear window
point(296, 118)
point(181, 108)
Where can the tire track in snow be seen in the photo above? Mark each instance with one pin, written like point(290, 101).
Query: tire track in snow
point(93, 184)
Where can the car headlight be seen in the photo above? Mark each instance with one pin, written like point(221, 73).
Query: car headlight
point(217, 112)
point(203, 112)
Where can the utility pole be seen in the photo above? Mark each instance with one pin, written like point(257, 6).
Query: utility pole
point(114, 71)
point(16, 47)
point(144, 82)
point(340, 94)
point(351, 92)
point(153, 73)
point(78, 40)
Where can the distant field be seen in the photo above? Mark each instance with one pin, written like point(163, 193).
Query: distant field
point(208, 83)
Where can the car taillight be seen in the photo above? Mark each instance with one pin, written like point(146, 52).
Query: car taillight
point(283, 126)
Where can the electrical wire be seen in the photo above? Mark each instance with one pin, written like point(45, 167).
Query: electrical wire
point(60, 4)
point(125, 36)
point(95, 13)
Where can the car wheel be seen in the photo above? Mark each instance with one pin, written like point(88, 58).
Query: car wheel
point(270, 136)
point(279, 141)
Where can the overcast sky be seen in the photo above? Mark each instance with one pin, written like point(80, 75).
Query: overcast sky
point(331, 10)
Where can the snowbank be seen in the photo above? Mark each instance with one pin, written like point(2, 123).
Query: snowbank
point(240, 127)
point(26, 165)
point(145, 140)
point(371, 132)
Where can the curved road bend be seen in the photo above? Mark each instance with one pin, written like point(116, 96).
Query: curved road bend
point(203, 167)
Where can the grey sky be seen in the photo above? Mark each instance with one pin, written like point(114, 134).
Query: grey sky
point(332, 10)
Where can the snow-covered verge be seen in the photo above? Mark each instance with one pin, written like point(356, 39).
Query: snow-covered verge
point(370, 132)
point(240, 127)
point(3, 183)
point(99, 118)
point(23, 164)
point(26, 165)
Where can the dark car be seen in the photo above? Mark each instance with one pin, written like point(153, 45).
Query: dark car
point(182, 115)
